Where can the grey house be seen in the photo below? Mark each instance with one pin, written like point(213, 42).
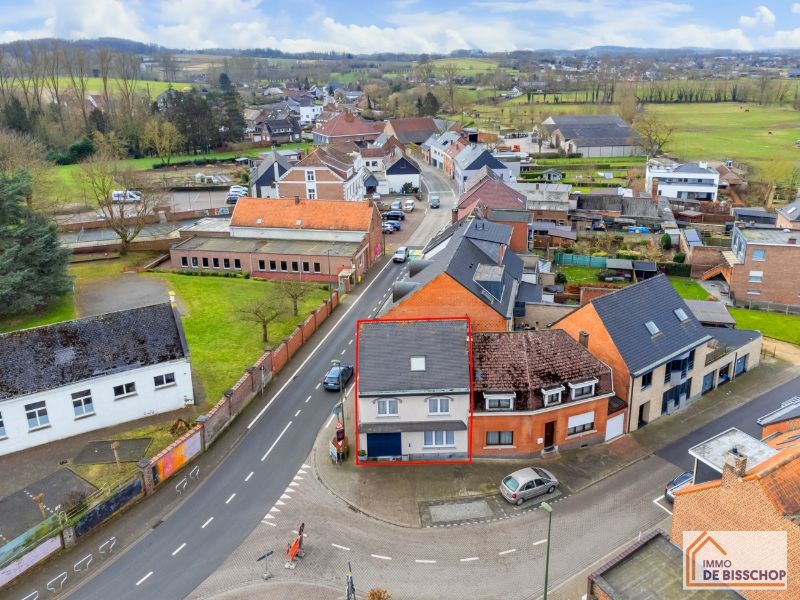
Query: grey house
point(413, 390)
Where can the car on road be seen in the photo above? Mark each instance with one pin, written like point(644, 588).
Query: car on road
point(337, 376)
point(680, 481)
point(121, 196)
point(388, 227)
point(408, 206)
point(394, 215)
point(396, 205)
point(400, 255)
point(433, 201)
point(527, 483)
point(393, 224)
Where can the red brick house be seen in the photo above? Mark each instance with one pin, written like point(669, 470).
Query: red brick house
point(328, 172)
point(346, 127)
point(538, 391)
point(279, 238)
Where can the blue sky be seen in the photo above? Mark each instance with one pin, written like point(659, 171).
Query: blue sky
point(411, 25)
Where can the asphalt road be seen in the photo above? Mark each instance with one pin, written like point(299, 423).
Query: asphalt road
point(177, 555)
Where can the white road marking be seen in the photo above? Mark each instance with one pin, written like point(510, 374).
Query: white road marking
point(307, 399)
point(316, 348)
point(470, 559)
point(278, 439)
point(297, 413)
point(343, 351)
point(273, 509)
point(285, 496)
point(507, 551)
point(301, 472)
point(249, 476)
point(207, 522)
point(425, 562)
point(232, 496)
point(316, 387)
point(280, 503)
point(269, 517)
point(143, 579)
point(293, 484)
point(341, 547)
point(179, 548)
point(350, 342)
point(659, 505)
point(328, 424)
point(268, 523)
point(297, 478)
point(540, 542)
point(381, 557)
point(305, 466)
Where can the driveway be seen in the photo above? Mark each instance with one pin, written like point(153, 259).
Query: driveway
point(122, 292)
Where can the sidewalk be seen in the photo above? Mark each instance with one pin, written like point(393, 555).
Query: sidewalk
point(396, 493)
point(135, 523)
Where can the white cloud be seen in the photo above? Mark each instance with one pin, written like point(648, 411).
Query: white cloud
point(762, 16)
point(796, 7)
point(781, 39)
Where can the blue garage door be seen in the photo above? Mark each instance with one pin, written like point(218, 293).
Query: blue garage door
point(383, 444)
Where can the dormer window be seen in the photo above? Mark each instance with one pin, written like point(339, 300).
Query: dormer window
point(499, 401)
point(417, 363)
point(552, 396)
point(583, 389)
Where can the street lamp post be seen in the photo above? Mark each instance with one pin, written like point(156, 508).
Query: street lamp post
point(545, 506)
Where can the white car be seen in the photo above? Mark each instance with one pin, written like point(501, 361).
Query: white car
point(126, 196)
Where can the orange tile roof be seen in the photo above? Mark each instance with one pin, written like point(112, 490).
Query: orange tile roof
point(284, 213)
point(688, 489)
point(780, 478)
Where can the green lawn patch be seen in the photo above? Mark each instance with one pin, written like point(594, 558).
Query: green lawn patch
point(773, 325)
point(576, 274)
point(221, 342)
point(688, 289)
point(61, 309)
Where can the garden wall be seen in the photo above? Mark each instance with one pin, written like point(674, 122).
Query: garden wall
point(127, 494)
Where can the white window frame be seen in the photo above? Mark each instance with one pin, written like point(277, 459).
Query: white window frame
point(574, 387)
point(387, 404)
point(444, 442)
point(185, 261)
point(80, 401)
point(40, 410)
point(311, 193)
point(552, 397)
point(499, 400)
point(761, 252)
point(164, 383)
point(418, 363)
point(438, 401)
point(753, 293)
point(310, 175)
point(128, 389)
point(2, 428)
point(755, 277)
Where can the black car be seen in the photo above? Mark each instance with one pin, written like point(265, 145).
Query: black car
point(681, 480)
point(337, 376)
point(394, 215)
point(394, 225)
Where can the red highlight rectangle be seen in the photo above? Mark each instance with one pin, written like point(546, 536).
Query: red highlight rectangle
point(471, 396)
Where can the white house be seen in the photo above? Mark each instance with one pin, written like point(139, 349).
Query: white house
point(470, 160)
point(439, 146)
point(73, 377)
point(413, 389)
point(304, 108)
point(401, 171)
point(695, 181)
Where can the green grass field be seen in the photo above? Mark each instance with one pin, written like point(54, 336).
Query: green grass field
point(222, 344)
point(730, 130)
point(469, 66)
point(576, 274)
point(95, 86)
point(688, 289)
point(772, 325)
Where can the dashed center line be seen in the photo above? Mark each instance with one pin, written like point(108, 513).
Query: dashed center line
point(540, 542)
point(249, 476)
point(340, 547)
point(179, 548)
point(344, 350)
point(307, 399)
point(143, 579)
point(350, 342)
point(207, 522)
point(275, 443)
point(317, 387)
point(381, 557)
point(507, 551)
point(425, 562)
point(470, 559)
point(232, 496)
point(297, 413)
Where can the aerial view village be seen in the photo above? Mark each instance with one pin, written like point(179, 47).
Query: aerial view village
point(327, 301)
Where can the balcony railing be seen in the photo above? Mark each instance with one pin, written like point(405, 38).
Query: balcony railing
point(716, 354)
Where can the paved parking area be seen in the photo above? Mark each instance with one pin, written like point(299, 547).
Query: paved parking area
point(479, 510)
point(126, 291)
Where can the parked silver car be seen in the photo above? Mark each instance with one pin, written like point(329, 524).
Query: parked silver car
point(527, 483)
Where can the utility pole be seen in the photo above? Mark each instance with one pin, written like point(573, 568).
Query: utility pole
point(545, 506)
point(351, 588)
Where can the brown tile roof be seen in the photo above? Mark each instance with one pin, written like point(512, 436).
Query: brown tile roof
point(527, 361)
point(456, 147)
point(328, 156)
point(345, 124)
point(492, 194)
point(780, 479)
point(284, 213)
point(413, 129)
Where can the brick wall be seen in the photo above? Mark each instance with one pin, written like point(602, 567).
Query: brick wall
point(703, 258)
point(789, 425)
point(443, 296)
point(779, 283)
point(328, 185)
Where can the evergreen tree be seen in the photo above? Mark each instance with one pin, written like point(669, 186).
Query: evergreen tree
point(225, 82)
point(33, 264)
point(430, 105)
point(15, 116)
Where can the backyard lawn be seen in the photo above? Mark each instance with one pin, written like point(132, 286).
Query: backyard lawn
point(688, 289)
point(773, 325)
point(222, 344)
point(577, 274)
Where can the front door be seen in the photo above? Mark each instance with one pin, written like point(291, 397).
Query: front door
point(642, 414)
point(549, 434)
point(383, 444)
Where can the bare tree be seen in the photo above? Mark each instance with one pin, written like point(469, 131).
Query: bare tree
point(461, 102)
point(21, 153)
point(162, 138)
point(627, 103)
point(295, 291)
point(21, 74)
point(655, 132)
point(424, 72)
point(53, 60)
point(102, 175)
point(79, 70)
point(264, 312)
point(169, 66)
point(36, 73)
point(105, 59)
point(7, 77)
point(450, 73)
point(126, 68)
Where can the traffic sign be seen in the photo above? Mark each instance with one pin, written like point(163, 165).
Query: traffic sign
point(339, 425)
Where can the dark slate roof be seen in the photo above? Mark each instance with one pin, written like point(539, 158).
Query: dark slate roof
point(625, 312)
point(711, 311)
point(791, 211)
point(385, 349)
point(529, 293)
point(265, 171)
point(403, 166)
point(527, 361)
point(393, 426)
point(692, 238)
point(49, 357)
point(645, 265)
point(732, 338)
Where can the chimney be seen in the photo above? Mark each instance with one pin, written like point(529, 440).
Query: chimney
point(583, 338)
point(454, 215)
point(735, 465)
point(297, 200)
